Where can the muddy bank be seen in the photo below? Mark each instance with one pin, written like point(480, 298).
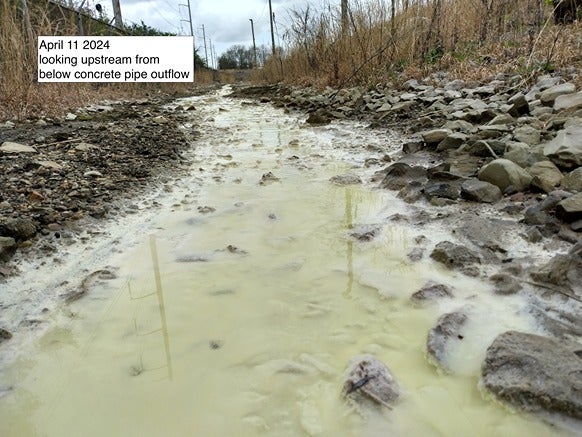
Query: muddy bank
point(92, 165)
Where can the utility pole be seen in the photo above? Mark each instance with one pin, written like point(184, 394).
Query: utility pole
point(272, 31)
point(117, 14)
point(205, 50)
point(254, 44)
point(189, 19)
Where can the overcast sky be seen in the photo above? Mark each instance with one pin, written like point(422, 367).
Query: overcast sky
point(226, 22)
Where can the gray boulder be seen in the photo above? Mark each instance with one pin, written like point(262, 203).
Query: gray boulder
point(546, 176)
point(527, 134)
point(455, 256)
point(19, 229)
point(535, 373)
point(519, 105)
point(447, 330)
point(505, 283)
point(563, 270)
point(443, 190)
point(570, 209)
point(400, 175)
point(568, 102)
point(431, 292)
point(504, 173)
point(370, 382)
point(7, 247)
point(549, 96)
point(566, 149)
point(573, 181)
point(522, 154)
point(435, 136)
point(452, 141)
point(480, 191)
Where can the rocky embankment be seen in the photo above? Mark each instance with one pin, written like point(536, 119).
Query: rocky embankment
point(90, 164)
point(492, 162)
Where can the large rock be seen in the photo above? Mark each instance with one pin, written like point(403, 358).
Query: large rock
point(522, 154)
point(19, 229)
point(7, 247)
point(435, 136)
point(480, 191)
point(563, 270)
point(549, 96)
point(443, 190)
point(431, 292)
point(570, 209)
point(455, 256)
point(527, 134)
point(573, 181)
point(504, 173)
point(519, 105)
point(535, 373)
point(546, 176)
point(448, 329)
point(566, 149)
point(568, 102)
point(452, 141)
point(399, 175)
point(370, 382)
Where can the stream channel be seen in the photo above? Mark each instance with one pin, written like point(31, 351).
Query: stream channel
point(232, 303)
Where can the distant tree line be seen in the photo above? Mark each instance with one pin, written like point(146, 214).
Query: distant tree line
point(239, 57)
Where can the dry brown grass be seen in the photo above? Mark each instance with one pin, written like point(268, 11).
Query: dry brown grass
point(21, 96)
point(472, 39)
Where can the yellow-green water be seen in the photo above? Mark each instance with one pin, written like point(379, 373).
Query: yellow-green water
point(194, 339)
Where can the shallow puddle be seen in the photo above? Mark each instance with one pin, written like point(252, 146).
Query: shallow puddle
point(239, 302)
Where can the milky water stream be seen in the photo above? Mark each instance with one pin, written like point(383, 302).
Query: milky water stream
point(241, 319)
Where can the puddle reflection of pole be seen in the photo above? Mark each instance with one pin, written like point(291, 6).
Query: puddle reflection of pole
point(350, 248)
point(160, 295)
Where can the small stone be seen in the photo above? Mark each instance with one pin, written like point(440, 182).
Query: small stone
point(206, 209)
point(35, 196)
point(70, 117)
point(346, 179)
point(93, 173)
point(10, 147)
point(268, 178)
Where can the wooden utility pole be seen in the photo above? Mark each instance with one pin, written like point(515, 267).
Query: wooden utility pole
point(254, 44)
point(272, 31)
point(117, 14)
